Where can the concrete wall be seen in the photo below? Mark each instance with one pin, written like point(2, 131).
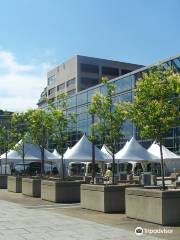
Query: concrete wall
point(61, 191)
point(101, 63)
point(63, 72)
point(31, 187)
point(14, 184)
point(3, 181)
point(104, 198)
point(71, 69)
point(153, 205)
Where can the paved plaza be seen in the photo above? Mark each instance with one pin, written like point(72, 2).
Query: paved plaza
point(28, 218)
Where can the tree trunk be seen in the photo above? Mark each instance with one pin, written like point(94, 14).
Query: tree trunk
point(23, 155)
point(1, 166)
point(113, 166)
point(62, 166)
point(43, 144)
point(93, 153)
point(162, 168)
point(42, 161)
point(93, 162)
point(6, 164)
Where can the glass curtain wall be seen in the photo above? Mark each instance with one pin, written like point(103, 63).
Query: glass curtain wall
point(125, 86)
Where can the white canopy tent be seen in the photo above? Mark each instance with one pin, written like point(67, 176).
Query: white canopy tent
point(82, 152)
point(32, 153)
point(121, 152)
point(59, 158)
point(107, 151)
point(167, 154)
point(134, 152)
point(56, 154)
point(171, 159)
point(66, 152)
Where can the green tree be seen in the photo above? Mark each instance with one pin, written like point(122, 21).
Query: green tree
point(7, 139)
point(41, 127)
point(109, 118)
point(20, 128)
point(156, 106)
point(62, 121)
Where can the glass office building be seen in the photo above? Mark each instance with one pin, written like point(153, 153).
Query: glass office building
point(125, 86)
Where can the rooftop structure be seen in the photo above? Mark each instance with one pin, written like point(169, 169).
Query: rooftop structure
point(125, 86)
point(80, 73)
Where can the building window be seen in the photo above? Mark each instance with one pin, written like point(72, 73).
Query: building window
point(89, 68)
point(123, 84)
point(176, 63)
point(71, 102)
point(70, 82)
point(61, 87)
point(127, 129)
point(110, 71)
point(88, 82)
point(92, 92)
point(51, 91)
point(123, 98)
point(125, 71)
point(81, 98)
point(51, 79)
point(71, 92)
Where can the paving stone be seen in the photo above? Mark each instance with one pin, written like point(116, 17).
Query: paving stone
point(21, 223)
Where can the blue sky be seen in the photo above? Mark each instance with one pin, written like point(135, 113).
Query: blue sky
point(38, 34)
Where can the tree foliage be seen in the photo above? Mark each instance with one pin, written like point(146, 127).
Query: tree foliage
point(60, 135)
point(155, 109)
point(41, 127)
point(7, 139)
point(20, 126)
point(109, 118)
point(156, 106)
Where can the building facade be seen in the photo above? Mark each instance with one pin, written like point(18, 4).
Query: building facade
point(80, 73)
point(125, 86)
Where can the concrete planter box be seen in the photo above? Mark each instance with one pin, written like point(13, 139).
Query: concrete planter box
point(3, 181)
point(104, 198)
point(15, 184)
point(31, 187)
point(87, 179)
point(61, 191)
point(153, 205)
point(73, 178)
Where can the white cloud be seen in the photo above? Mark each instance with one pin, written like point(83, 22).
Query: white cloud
point(20, 84)
point(8, 62)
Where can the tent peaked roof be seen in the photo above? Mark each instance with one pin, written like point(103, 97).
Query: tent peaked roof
point(167, 154)
point(66, 152)
point(82, 151)
point(107, 151)
point(56, 154)
point(133, 151)
point(32, 152)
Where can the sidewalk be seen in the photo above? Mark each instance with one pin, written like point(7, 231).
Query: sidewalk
point(19, 223)
point(33, 219)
